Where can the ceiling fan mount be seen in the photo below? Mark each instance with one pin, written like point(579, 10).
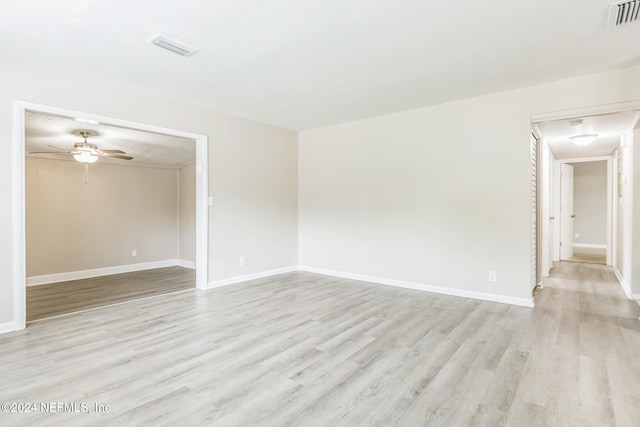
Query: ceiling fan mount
point(85, 133)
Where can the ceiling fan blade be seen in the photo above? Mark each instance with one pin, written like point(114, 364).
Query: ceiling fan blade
point(116, 156)
point(61, 147)
point(48, 152)
point(113, 151)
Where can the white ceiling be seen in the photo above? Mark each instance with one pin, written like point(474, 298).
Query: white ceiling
point(310, 63)
point(147, 148)
point(608, 127)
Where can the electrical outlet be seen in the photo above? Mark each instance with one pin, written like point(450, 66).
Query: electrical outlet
point(492, 276)
point(242, 260)
point(134, 253)
point(577, 235)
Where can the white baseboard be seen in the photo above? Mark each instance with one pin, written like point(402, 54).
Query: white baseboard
point(623, 283)
point(246, 277)
point(589, 245)
point(524, 302)
point(187, 264)
point(87, 274)
point(7, 327)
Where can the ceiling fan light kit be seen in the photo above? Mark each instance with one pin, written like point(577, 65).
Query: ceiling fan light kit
point(85, 157)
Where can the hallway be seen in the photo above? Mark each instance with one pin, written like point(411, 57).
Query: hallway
point(589, 340)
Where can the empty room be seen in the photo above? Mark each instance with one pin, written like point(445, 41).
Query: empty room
point(320, 213)
point(109, 231)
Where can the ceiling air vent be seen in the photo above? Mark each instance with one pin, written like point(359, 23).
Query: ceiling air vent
point(174, 45)
point(623, 12)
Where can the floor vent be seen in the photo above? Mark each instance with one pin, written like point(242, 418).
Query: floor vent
point(623, 12)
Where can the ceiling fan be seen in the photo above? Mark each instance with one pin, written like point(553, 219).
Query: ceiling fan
point(85, 152)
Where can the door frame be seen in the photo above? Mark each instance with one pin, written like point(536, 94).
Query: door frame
point(611, 208)
point(546, 229)
point(594, 110)
point(19, 223)
point(562, 219)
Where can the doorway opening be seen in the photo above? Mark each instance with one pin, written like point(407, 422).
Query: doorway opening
point(584, 213)
point(581, 214)
point(122, 199)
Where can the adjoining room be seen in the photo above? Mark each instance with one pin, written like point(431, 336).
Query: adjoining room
point(116, 225)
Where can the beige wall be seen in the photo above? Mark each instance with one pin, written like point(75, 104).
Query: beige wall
point(187, 213)
point(438, 195)
point(252, 167)
point(590, 202)
point(73, 226)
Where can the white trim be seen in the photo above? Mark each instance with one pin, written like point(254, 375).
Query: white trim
point(611, 240)
point(97, 272)
point(589, 245)
point(202, 193)
point(178, 211)
point(19, 235)
point(7, 327)
point(614, 207)
point(586, 159)
point(187, 264)
point(623, 283)
point(586, 111)
point(253, 276)
point(555, 189)
point(202, 213)
point(525, 302)
point(628, 146)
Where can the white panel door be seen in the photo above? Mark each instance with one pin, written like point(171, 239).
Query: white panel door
point(566, 211)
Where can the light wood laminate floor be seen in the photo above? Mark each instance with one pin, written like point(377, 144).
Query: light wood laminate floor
point(589, 255)
point(55, 299)
point(302, 349)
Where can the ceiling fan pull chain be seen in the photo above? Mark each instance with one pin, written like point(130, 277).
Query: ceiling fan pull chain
point(86, 174)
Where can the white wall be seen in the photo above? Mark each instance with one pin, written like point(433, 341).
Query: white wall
point(252, 167)
point(627, 197)
point(73, 226)
point(634, 186)
point(590, 202)
point(187, 213)
point(438, 195)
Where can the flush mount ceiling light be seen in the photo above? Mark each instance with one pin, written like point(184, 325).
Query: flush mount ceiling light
point(583, 140)
point(172, 45)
